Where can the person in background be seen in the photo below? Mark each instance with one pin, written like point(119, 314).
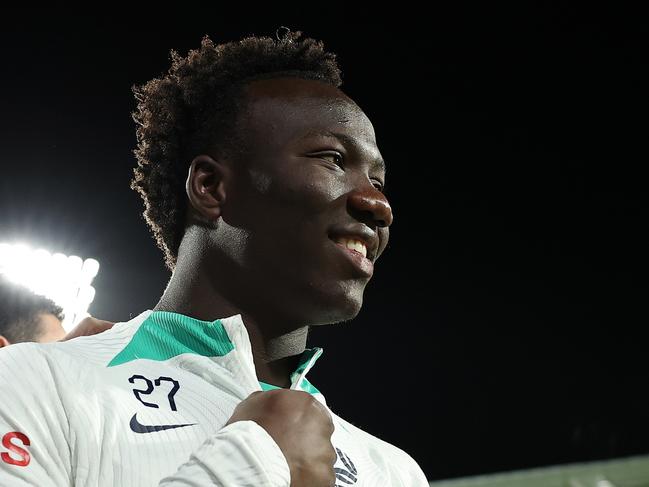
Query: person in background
point(29, 317)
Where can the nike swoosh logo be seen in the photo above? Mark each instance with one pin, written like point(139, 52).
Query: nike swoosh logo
point(138, 427)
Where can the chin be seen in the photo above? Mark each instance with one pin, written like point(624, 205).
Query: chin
point(337, 309)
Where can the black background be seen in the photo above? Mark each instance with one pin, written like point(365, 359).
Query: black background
point(505, 325)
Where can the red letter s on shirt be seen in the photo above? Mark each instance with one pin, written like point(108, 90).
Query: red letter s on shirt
point(21, 452)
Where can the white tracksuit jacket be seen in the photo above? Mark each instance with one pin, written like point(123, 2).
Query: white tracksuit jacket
point(144, 404)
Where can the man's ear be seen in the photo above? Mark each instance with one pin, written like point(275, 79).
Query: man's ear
point(4, 342)
point(205, 187)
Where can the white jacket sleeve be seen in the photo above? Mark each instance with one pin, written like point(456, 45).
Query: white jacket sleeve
point(34, 429)
point(241, 454)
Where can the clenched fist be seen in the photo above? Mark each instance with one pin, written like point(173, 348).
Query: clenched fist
point(301, 427)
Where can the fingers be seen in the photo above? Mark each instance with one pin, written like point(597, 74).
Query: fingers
point(88, 326)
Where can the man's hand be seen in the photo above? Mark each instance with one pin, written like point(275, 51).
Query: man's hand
point(88, 326)
point(301, 427)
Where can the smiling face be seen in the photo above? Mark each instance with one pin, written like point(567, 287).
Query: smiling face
point(304, 218)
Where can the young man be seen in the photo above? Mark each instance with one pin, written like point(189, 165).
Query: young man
point(262, 184)
point(26, 316)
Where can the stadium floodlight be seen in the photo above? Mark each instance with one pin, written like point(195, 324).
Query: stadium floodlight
point(65, 279)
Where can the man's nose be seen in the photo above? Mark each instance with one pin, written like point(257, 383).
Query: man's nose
point(372, 204)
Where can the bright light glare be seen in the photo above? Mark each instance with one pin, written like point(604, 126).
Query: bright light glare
point(65, 279)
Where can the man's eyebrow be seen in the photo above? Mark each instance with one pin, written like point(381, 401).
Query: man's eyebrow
point(347, 141)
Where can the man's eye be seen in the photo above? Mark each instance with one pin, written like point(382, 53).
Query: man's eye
point(378, 185)
point(335, 157)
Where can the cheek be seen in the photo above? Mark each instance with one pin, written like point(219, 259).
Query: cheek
point(291, 179)
point(303, 194)
point(260, 182)
point(384, 237)
point(287, 212)
point(306, 183)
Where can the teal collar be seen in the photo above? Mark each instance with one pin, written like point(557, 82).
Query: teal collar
point(298, 377)
point(164, 335)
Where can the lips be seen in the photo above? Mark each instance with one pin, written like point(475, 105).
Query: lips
point(351, 243)
point(363, 266)
point(359, 238)
point(358, 245)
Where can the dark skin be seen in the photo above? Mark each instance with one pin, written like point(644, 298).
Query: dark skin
point(264, 229)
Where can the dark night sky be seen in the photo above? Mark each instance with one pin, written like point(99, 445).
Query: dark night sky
point(505, 325)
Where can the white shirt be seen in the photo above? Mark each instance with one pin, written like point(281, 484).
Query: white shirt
point(145, 403)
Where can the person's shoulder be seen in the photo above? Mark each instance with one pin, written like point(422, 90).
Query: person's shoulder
point(83, 351)
point(98, 349)
point(51, 368)
point(25, 373)
point(37, 364)
point(25, 356)
point(374, 441)
point(391, 454)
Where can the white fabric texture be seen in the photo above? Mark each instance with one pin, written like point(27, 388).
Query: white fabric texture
point(133, 407)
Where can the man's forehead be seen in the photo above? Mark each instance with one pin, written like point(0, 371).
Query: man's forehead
point(292, 88)
point(304, 105)
point(289, 96)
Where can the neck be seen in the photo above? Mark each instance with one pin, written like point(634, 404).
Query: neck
point(276, 348)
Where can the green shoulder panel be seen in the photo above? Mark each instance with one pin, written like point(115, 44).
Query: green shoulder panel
point(164, 335)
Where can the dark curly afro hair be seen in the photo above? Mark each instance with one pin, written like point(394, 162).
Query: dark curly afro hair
point(192, 109)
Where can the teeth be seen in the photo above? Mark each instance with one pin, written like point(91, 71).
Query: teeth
point(353, 244)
